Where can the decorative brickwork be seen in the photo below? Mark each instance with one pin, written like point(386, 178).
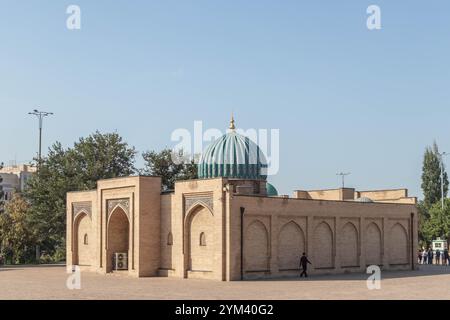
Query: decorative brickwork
point(122, 203)
point(205, 200)
point(80, 207)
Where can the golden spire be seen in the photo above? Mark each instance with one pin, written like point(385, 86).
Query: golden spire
point(232, 126)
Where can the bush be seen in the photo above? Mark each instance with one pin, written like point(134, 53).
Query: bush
point(45, 258)
point(59, 255)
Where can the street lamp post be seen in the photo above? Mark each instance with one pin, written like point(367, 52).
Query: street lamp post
point(441, 158)
point(40, 115)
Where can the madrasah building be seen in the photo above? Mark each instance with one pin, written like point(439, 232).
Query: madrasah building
point(230, 224)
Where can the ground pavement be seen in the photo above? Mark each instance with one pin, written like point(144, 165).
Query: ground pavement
point(49, 282)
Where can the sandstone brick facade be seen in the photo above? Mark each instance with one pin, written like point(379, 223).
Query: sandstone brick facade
point(229, 230)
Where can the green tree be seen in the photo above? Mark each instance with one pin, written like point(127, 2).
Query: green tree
point(16, 237)
point(99, 156)
point(102, 156)
point(438, 222)
point(423, 215)
point(431, 176)
point(2, 194)
point(170, 166)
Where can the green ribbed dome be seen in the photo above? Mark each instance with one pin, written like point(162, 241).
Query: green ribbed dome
point(271, 190)
point(233, 156)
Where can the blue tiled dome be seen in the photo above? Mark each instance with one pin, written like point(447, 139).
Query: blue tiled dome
point(233, 156)
point(271, 190)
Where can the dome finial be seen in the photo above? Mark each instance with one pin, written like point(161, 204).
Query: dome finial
point(232, 126)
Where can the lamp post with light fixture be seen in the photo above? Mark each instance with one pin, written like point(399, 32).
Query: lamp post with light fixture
point(40, 115)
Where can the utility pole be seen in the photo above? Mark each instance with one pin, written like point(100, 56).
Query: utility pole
point(441, 159)
point(40, 115)
point(343, 175)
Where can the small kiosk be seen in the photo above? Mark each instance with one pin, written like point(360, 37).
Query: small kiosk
point(440, 245)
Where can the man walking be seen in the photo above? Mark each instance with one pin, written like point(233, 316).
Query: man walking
point(430, 256)
point(304, 265)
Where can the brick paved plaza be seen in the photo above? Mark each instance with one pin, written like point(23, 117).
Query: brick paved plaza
point(44, 282)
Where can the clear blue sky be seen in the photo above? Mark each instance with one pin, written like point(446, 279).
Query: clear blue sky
point(344, 98)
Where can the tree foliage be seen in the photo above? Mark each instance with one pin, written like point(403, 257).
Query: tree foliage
point(438, 222)
point(99, 156)
point(432, 220)
point(423, 218)
point(170, 166)
point(16, 237)
point(102, 156)
point(431, 176)
point(1, 191)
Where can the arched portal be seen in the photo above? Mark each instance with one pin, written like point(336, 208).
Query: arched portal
point(323, 247)
point(256, 247)
point(373, 245)
point(201, 242)
point(82, 230)
point(118, 236)
point(398, 245)
point(291, 245)
point(349, 246)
